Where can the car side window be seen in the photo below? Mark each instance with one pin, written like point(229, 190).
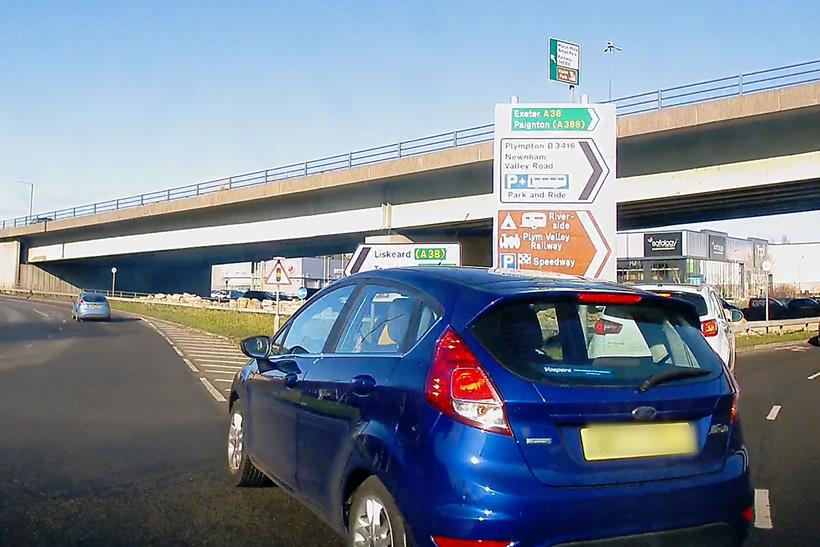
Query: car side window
point(309, 330)
point(385, 320)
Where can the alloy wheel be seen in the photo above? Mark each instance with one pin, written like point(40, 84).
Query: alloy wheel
point(371, 525)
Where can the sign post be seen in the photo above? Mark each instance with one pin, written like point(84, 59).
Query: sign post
point(278, 276)
point(767, 267)
point(553, 175)
point(113, 280)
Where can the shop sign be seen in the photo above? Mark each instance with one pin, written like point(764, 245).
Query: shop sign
point(663, 244)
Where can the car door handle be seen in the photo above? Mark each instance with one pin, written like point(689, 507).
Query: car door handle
point(363, 384)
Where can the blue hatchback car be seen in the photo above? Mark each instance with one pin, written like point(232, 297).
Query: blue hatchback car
point(457, 407)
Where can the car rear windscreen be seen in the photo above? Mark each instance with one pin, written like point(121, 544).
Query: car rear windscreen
point(94, 298)
point(693, 298)
point(576, 344)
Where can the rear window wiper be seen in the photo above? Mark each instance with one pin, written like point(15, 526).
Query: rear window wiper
point(674, 374)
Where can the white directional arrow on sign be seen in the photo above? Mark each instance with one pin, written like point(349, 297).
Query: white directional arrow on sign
point(538, 170)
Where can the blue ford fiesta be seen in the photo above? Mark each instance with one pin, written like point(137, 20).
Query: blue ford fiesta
point(457, 407)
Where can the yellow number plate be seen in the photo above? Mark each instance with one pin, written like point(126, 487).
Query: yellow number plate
point(614, 442)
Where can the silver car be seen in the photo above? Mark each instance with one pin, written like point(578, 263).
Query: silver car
point(91, 306)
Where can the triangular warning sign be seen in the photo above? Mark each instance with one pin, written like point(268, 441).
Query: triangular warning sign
point(278, 275)
point(508, 223)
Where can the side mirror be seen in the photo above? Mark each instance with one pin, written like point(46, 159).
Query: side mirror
point(256, 347)
point(737, 316)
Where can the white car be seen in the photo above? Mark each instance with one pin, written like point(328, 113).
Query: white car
point(714, 318)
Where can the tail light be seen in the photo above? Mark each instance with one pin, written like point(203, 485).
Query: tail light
point(605, 326)
point(608, 298)
point(709, 328)
point(748, 514)
point(458, 387)
point(733, 412)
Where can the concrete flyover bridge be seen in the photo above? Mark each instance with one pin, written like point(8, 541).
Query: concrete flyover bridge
point(740, 146)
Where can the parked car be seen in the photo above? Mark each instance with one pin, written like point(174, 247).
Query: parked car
point(452, 406)
point(714, 322)
point(757, 309)
point(259, 295)
point(803, 307)
point(91, 305)
point(224, 295)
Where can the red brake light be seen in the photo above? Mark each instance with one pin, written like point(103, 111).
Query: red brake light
point(605, 326)
point(608, 298)
point(450, 542)
point(709, 328)
point(748, 514)
point(458, 387)
point(733, 412)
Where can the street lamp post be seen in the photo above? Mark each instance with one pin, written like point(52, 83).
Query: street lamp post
point(611, 49)
point(113, 280)
point(30, 198)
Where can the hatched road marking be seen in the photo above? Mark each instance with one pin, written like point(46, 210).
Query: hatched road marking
point(813, 376)
point(773, 413)
point(763, 510)
point(212, 390)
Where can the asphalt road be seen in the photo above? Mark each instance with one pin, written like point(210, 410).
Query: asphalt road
point(109, 437)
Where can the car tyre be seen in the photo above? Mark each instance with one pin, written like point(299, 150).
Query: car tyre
point(242, 471)
point(374, 518)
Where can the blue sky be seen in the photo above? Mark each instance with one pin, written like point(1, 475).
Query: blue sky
point(107, 99)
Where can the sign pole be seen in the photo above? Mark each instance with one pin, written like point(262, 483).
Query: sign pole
point(276, 318)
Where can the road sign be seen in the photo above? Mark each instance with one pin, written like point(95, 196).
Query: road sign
point(301, 293)
point(389, 255)
point(567, 242)
point(278, 275)
point(553, 171)
point(564, 62)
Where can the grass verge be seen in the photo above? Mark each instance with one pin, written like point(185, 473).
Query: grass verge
point(750, 340)
point(231, 324)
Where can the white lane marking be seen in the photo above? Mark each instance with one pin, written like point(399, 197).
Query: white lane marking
point(190, 365)
point(176, 349)
point(763, 510)
point(813, 376)
point(213, 391)
point(214, 371)
point(234, 367)
point(211, 351)
point(40, 313)
point(229, 361)
point(773, 413)
point(222, 380)
point(203, 347)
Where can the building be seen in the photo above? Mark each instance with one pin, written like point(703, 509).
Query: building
point(732, 265)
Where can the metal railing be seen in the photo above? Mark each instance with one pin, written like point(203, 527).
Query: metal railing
point(741, 84)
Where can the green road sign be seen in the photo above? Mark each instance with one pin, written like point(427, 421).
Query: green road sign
point(431, 253)
point(553, 119)
point(565, 62)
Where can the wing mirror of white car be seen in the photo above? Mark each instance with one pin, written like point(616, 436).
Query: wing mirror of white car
point(735, 316)
point(256, 347)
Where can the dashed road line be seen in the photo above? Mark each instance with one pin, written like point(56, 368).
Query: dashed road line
point(176, 349)
point(813, 376)
point(40, 313)
point(190, 365)
point(763, 510)
point(773, 413)
point(213, 391)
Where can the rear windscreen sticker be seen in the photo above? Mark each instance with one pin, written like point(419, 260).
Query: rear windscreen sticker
point(575, 371)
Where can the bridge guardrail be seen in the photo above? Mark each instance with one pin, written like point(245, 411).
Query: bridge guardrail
point(709, 90)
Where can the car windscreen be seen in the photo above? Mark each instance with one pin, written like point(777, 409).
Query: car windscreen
point(93, 298)
point(693, 298)
point(568, 343)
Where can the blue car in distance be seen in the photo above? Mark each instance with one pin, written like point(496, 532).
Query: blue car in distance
point(457, 407)
point(91, 305)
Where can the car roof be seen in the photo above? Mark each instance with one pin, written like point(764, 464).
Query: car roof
point(491, 281)
point(680, 287)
